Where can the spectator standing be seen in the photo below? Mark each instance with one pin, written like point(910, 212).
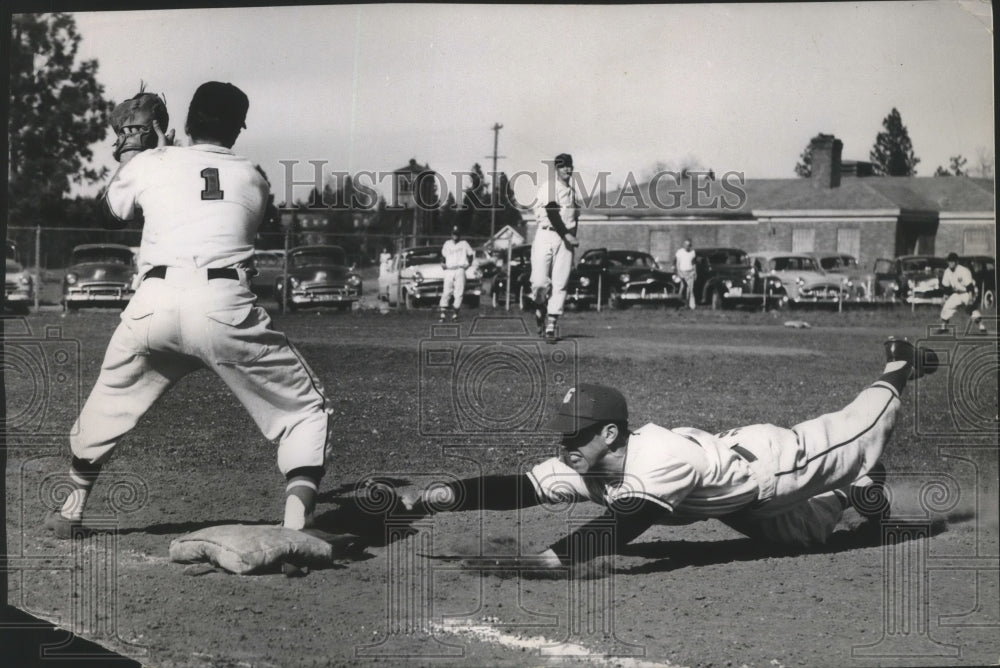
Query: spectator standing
point(686, 270)
point(456, 256)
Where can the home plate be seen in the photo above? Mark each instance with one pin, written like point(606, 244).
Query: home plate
point(549, 649)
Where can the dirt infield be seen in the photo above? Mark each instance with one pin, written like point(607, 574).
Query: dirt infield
point(921, 591)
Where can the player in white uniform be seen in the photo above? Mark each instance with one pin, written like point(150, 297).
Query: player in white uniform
point(456, 255)
point(960, 287)
point(782, 486)
point(556, 213)
point(687, 270)
point(202, 206)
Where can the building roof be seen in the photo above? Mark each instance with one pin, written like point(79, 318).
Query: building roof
point(680, 198)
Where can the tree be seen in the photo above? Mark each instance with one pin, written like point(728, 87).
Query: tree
point(804, 167)
point(57, 111)
point(892, 153)
point(957, 163)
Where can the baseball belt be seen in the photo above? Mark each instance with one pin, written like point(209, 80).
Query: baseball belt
point(160, 271)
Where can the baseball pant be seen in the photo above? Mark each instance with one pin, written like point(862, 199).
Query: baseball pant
point(804, 472)
point(551, 262)
point(688, 278)
point(958, 300)
point(454, 285)
point(181, 323)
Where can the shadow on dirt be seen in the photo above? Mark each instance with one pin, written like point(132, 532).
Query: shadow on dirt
point(669, 555)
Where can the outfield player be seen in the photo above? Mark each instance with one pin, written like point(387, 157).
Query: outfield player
point(456, 256)
point(202, 205)
point(783, 486)
point(960, 287)
point(556, 213)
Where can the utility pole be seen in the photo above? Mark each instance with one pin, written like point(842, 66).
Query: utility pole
point(493, 188)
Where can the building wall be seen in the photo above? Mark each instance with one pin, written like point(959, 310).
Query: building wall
point(967, 238)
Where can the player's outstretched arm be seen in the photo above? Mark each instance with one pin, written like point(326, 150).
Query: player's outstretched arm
point(625, 523)
point(489, 492)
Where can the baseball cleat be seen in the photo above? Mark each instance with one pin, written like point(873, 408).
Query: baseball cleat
point(63, 528)
point(902, 350)
point(868, 495)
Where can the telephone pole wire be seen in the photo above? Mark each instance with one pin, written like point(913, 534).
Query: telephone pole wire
point(493, 188)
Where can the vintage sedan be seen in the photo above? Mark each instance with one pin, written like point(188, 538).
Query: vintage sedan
point(858, 284)
point(803, 280)
point(415, 277)
point(19, 288)
point(318, 276)
point(984, 273)
point(99, 275)
point(520, 278)
point(914, 279)
point(620, 278)
point(726, 277)
point(269, 265)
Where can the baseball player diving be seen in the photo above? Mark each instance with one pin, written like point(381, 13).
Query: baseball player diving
point(202, 205)
point(782, 486)
point(556, 213)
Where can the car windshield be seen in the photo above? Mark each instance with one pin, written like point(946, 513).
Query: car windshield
point(723, 257)
point(424, 256)
point(834, 262)
point(102, 256)
point(634, 260)
point(267, 260)
point(924, 263)
point(795, 263)
point(315, 257)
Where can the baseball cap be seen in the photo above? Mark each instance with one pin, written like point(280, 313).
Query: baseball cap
point(952, 257)
point(586, 405)
point(564, 160)
point(221, 100)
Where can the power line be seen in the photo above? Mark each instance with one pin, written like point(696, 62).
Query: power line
point(493, 188)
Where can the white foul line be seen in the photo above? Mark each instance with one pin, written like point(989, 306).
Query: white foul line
point(547, 648)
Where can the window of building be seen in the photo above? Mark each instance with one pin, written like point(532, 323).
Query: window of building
point(976, 241)
point(803, 240)
point(849, 241)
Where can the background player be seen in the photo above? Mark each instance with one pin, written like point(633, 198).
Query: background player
point(687, 270)
point(202, 206)
point(556, 213)
point(960, 287)
point(457, 255)
point(783, 486)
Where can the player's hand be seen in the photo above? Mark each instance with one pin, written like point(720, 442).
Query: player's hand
point(571, 241)
point(163, 138)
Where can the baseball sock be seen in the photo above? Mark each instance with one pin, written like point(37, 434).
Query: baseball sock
point(896, 374)
point(300, 496)
point(82, 475)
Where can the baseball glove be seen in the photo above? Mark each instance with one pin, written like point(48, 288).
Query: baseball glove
point(132, 121)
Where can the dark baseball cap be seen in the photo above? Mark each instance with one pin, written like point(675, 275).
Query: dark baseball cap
point(586, 405)
point(564, 160)
point(952, 257)
point(221, 100)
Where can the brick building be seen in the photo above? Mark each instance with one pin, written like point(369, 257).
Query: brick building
point(841, 207)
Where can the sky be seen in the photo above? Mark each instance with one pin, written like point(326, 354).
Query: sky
point(730, 87)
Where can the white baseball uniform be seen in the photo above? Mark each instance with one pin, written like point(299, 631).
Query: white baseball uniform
point(202, 206)
point(782, 485)
point(551, 258)
point(961, 282)
point(684, 265)
point(456, 261)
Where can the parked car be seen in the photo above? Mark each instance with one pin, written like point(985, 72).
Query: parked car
point(99, 275)
point(318, 276)
point(803, 280)
point(914, 279)
point(520, 278)
point(726, 277)
point(858, 284)
point(415, 276)
point(620, 278)
point(984, 272)
point(19, 287)
point(269, 265)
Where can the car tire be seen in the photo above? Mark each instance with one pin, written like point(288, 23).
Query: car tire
point(471, 302)
point(70, 306)
point(989, 300)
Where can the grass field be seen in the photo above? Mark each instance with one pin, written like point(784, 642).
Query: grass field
point(694, 595)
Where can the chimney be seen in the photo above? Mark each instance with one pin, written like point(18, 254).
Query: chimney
point(826, 151)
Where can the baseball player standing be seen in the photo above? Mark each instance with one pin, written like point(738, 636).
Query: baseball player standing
point(202, 206)
point(960, 287)
point(456, 255)
point(687, 270)
point(782, 486)
point(556, 214)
